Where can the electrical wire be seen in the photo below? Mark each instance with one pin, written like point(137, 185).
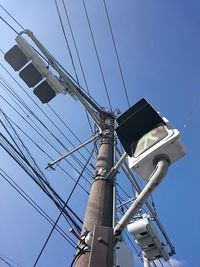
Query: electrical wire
point(16, 96)
point(154, 263)
point(45, 139)
point(2, 51)
point(49, 156)
point(93, 103)
point(13, 93)
point(195, 104)
point(169, 263)
point(8, 13)
point(6, 262)
point(68, 128)
point(70, 53)
point(79, 59)
point(39, 147)
point(8, 25)
point(80, 252)
point(116, 53)
point(11, 261)
point(97, 55)
point(76, 48)
point(161, 263)
point(66, 40)
point(29, 200)
point(14, 141)
point(10, 90)
point(44, 113)
point(72, 191)
point(8, 147)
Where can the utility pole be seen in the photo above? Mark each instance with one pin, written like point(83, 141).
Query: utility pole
point(100, 203)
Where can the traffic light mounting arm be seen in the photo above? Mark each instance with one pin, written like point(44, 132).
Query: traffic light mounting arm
point(157, 176)
point(82, 97)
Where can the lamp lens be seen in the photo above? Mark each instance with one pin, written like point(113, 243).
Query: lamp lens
point(150, 139)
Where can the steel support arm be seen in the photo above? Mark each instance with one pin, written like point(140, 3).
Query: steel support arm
point(82, 97)
point(155, 179)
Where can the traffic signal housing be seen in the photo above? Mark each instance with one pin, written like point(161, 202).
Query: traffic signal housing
point(147, 239)
point(34, 71)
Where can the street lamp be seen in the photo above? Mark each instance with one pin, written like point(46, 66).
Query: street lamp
point(152, 145)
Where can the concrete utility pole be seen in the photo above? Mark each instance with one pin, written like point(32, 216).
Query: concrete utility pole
point(100, 203)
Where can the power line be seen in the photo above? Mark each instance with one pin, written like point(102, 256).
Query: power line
point(64, 123)
point(8, 25)
point(50, 192)
point(97, 55)
point(11, 261)
point(116, 52)
point(12, 18)
point(70, 53)
point(20, 191)
point(39, 147)
point(161, 263)
point(6, 262)
point(75, 45)
point(66, 40)
point(72, 191)
point(79, 59)
point(16, 96)
point(9, 90)
point(69, 175)
point(39, 133)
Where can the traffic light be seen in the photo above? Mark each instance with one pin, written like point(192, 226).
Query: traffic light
point(147, 239)
point(34, 71)
point(147, 137)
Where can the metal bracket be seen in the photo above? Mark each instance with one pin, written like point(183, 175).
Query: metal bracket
point(102, 246)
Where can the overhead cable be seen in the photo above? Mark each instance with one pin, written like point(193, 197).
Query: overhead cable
point(8, 13)
point(51, 193)
point(45, 139)
point(10, 90)
point(40, 148)
point(70, 53)
point(97, 55)
point(71, 193)
point(8, 25)
point(117, 55)
point(20, 191)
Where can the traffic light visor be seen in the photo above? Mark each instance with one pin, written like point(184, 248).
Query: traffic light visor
point(148, 140)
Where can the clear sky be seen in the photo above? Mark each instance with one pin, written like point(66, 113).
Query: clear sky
point(158, 44)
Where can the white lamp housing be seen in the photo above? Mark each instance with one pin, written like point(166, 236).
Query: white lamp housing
point(162, 141)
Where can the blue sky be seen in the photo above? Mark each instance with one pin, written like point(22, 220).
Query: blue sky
point(158, 45)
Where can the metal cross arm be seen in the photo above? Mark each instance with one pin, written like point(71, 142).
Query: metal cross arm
point(51, 164)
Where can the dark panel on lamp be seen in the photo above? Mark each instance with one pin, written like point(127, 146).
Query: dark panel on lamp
point(135, 122)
